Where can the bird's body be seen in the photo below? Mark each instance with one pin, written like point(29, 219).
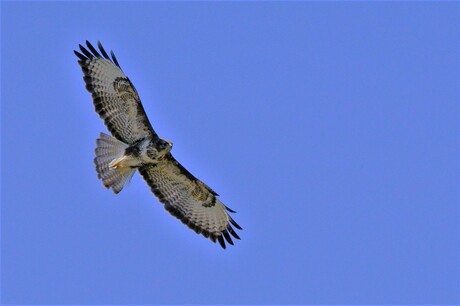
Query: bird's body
point(134, 145)
point(141, 153)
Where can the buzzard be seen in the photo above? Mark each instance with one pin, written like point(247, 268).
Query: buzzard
point(134, 145)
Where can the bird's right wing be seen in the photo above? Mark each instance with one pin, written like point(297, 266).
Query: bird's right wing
point(190, 200)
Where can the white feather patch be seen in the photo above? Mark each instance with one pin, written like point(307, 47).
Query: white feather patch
point(109, 148)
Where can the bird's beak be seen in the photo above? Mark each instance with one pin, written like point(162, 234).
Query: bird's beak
point(169, 142)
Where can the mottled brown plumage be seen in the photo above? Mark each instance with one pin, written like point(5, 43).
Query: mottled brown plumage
point(136, 146)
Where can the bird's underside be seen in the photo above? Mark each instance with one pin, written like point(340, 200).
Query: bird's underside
point(134, 145)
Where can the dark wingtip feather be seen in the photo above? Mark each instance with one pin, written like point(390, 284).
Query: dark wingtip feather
point(114, 59)
point(80, 56)
point(101, 48)
point(85, 52)
point(92, 49)
point(232, 231)
point(229, 209)
point(235, 224)
point(221, 241)
point(227, 237)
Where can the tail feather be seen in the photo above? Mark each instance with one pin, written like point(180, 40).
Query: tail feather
point(109, 148)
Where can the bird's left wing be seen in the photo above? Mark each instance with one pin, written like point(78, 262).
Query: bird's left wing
point(190, 200)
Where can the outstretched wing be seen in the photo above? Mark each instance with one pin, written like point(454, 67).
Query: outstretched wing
point(190, 200)
point(114, 96)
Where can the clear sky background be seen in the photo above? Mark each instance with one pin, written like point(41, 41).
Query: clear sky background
point(332, 128)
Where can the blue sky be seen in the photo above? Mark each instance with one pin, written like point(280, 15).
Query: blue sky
point(332, 128)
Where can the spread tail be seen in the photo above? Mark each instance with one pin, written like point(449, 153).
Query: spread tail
point(108, 149)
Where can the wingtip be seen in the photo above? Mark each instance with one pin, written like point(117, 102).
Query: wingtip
point(233, 233)
point(114, 59)
point(221, 241)
point(227, 237)
point(80, 56)
point(92, 49)
point(229, 209)
point(101, 48)
point(235, 224)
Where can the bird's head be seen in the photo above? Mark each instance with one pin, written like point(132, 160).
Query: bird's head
point(164, 146)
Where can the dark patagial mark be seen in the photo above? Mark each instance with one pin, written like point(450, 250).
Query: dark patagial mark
point(132, 150)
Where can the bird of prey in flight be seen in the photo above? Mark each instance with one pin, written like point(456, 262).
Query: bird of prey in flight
point(134, 145)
